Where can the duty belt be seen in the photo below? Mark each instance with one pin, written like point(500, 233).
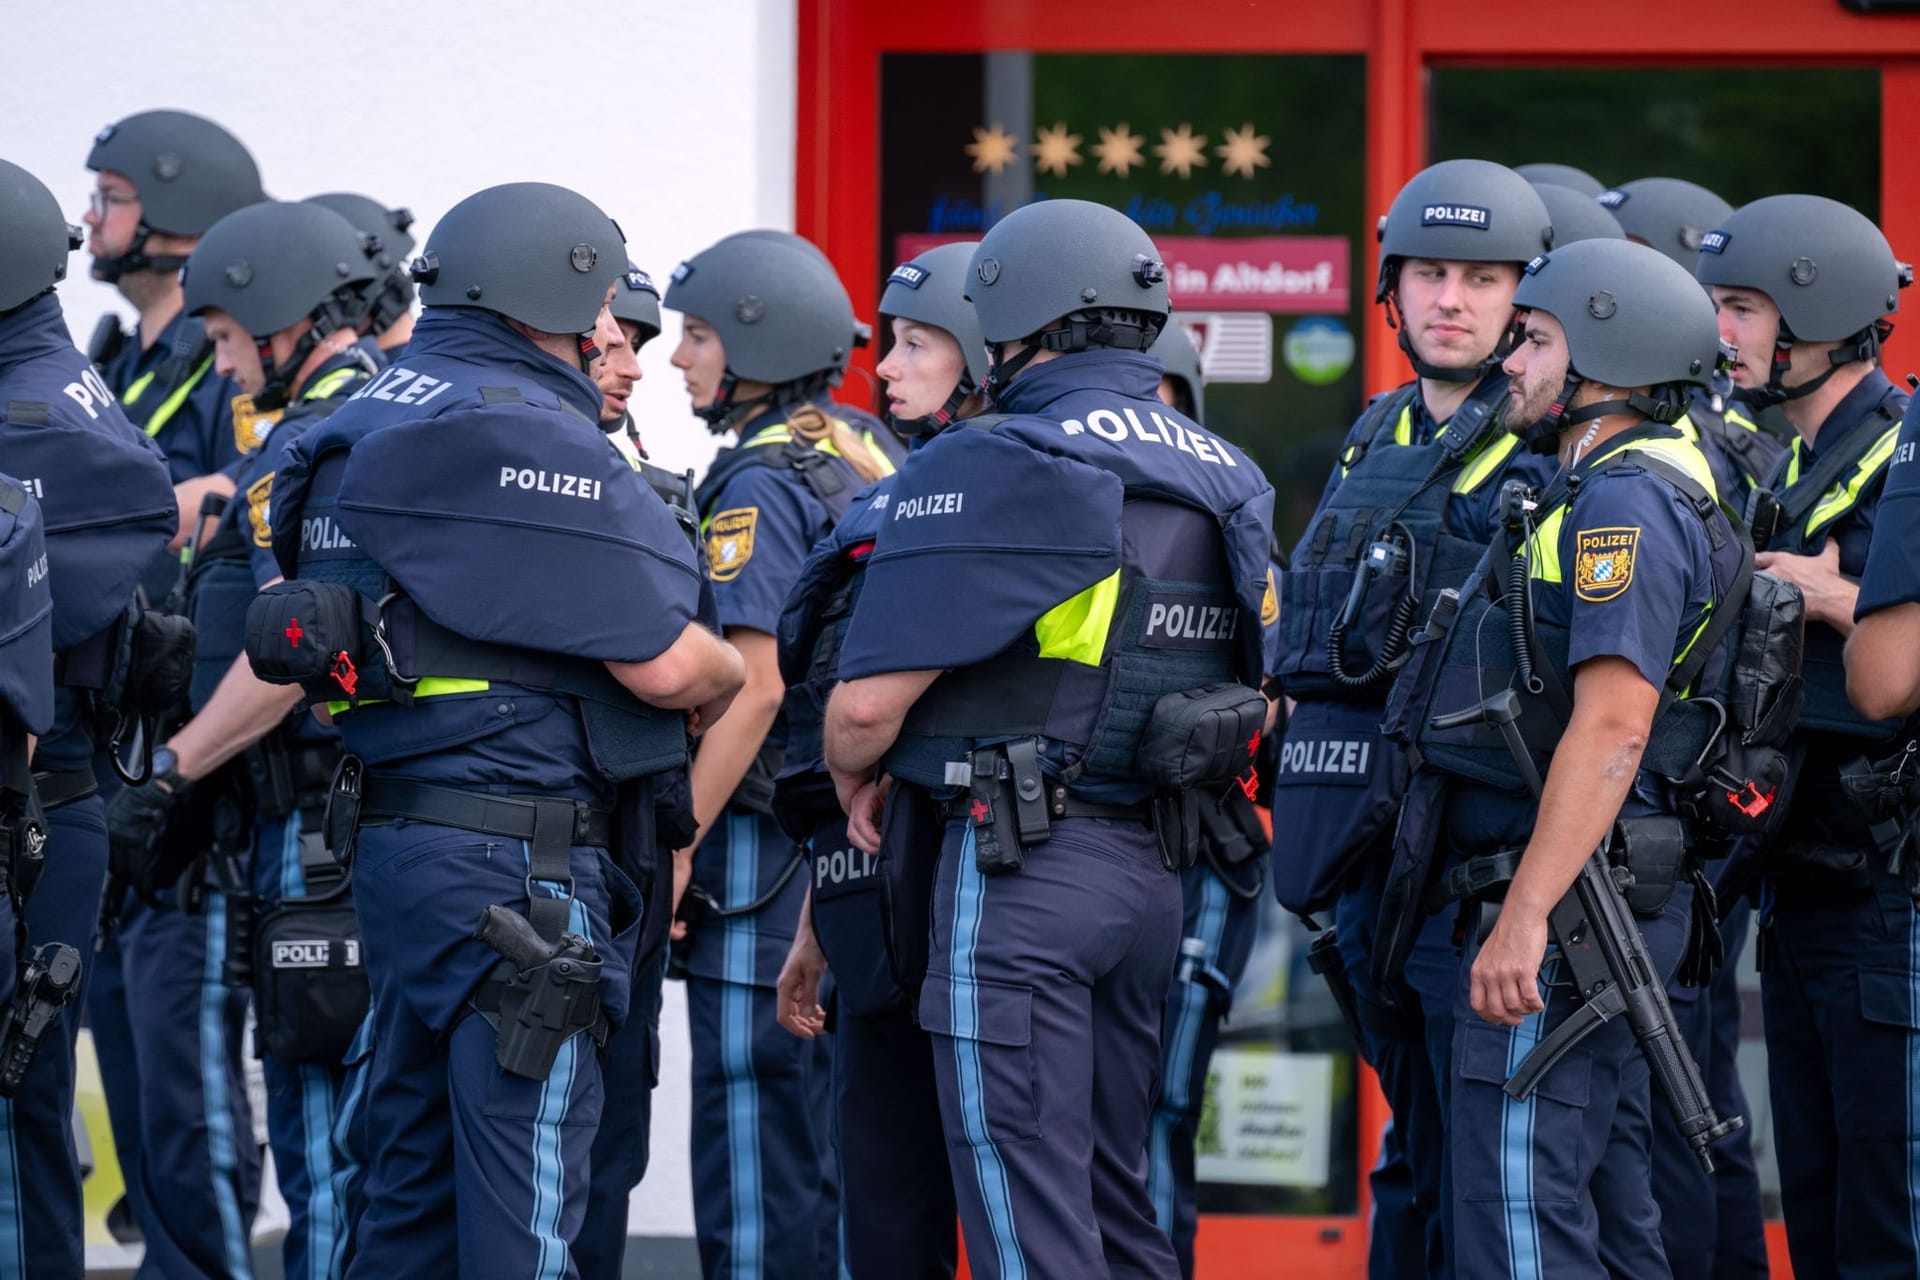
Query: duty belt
point(64, 787)
point(1061, 803)
point(517, 817)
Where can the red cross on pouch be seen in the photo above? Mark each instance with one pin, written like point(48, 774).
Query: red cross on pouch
point(980, 811)
point(293, 633)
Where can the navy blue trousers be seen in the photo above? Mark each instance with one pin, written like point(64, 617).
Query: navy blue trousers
point(168, 1034)
point(41, 1228)
point(1712, 1224)
point(1407, 1038)
point(1218, 923)
point(762, 1151)
point(1556, 1187)
point(1841, 992)
point(303, 1099)
point(898, 1214)
point(473, 1169)
point(1044, 995)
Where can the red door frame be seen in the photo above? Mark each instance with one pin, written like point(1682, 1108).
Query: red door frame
point(837, 205)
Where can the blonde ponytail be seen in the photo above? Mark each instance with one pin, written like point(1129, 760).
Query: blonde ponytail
point(810, 423)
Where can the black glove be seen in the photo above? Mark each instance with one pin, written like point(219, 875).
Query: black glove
point(137, 821)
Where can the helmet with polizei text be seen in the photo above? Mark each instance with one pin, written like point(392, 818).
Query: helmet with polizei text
point(530, 251)
point(1462, 211)
point(780, 312)
point(636, 299)
point(1825, 265)
point(35, 238)
point(1576, 216)
point(1633, 317)
point(1670, 214)
point(1084, 267)
point(1562, 175)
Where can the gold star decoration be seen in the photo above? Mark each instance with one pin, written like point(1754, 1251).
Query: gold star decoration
point(1119, 150)
point(1181, 150)
point(1054, 149)
point(1244, 151)
point(992, 149)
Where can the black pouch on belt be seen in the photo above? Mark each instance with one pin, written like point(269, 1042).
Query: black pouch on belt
point(1654, 850)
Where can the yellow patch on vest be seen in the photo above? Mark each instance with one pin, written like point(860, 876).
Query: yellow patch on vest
point(1270, 603)
point(730, 542)
point(1603, 562)
point(257, 494)
point(250, 426)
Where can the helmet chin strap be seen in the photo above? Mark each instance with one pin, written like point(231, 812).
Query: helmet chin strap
point(1862, 347)
point(111, 269)
point(1543, 437)
point(932, 424)
point(1002, 368)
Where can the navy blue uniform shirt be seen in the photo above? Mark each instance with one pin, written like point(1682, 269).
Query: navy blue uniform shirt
point(197, 433)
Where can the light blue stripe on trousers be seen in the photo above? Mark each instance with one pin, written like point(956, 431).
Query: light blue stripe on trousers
point(969, 889)
point(747, 1233)
point(1516, 1152)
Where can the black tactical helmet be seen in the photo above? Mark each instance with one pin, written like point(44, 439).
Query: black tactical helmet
point(389, 295)
point(1826, 266)
point(1459, 211)
point(1181, 360)
point(1073, 261)
point(35, 238)
point(862, 332)
point(781, 315)
point(530, 251)
point(1668, 213)
point(1562, 175)
point(636, 299)
point(1633, 318)
point(1576, 216)
point(931, 289)
point(271, 265)
point(189, 173)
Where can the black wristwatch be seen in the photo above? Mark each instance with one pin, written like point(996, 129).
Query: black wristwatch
point(166, 768)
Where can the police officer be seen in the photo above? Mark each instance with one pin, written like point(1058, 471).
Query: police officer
point(1221, 897)
point(164, 178)
point(278, 288)
point(387, 313)
point(1805, 288)
point(622, 1145)
point(26, 709)
point(488, 746)
point(103, 493)
point(899, 1211)
point(1090, 550)
point(1562, 175)
point(1627, 562)
point(1418, 478)
point(766, 326)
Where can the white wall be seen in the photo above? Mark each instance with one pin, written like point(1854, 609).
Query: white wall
point(676, 118)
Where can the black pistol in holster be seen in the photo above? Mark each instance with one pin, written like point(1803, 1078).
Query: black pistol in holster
point(541, 995)
point(46, 987)
point(1606, 956)
point(1007, 805)
point(1323, 957)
